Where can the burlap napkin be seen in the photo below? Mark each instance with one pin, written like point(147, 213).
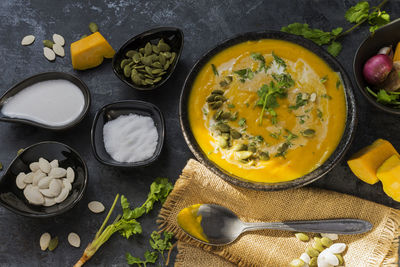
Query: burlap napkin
point(197, 184)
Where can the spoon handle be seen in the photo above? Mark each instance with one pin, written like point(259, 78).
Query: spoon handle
point(335, 226)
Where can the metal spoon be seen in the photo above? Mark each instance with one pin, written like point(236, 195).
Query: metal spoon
point(222, 226)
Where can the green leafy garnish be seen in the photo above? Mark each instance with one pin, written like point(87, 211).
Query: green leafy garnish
point(282, 150)
point(268, 95)
point(378, 19)
point(385, 97)
point(338, 83)
point(245, 74)
point(290, 136)
point(242, 122)
point(214, 69)
point(259, 57)
point(324, 79)
point(126, 223)
point(150, 257)
point(159, 244)
point(299, 102)
point(279, 60)
point(276, 135)
point(231, 106)
point(358, 14)
point(326, 96)
point(320, 114)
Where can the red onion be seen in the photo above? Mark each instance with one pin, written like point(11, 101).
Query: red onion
point(377, 68)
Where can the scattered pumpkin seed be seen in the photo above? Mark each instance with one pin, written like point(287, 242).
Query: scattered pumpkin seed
point(297, 263)
point(217, 92)
point(340, 258)
point(313, 262)
point(28, 40)
point(58, 50)
point(264, 156)
point(74, 240)
point(312, 252)
point(49, 54)
point(96, 207)
point(48, 43)
point(53, 243)
point(243, 155)
point(44, 241)
point(318, 245)
point(58, 39)
point(93, 27)
point(302, 237)
point(127, 71)
point(326, 242)
point(236, 135)
point(216, 105)
point(222, 142)
point(223, 128)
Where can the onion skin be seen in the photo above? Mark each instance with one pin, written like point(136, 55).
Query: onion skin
point(377, 68)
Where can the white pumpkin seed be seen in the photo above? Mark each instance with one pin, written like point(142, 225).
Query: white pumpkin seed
point(66, 184)
point(49, 54)
point(54, 163)
point(20, 180)
point(70, 175)
point(55, 187)
point(74, 240)
point(337, 248)
point(58, 39)
point(304, 257)
point(327, 258)
point(58, 172)
point(63, 195)
point(96, 206)
point(45, 182)
point(37, 176)
point(331, 236)
point(44, 241)
point(49, 201)
point(29, 178)
point(44, 165)
point(33, 195)
point(28, 40)
point(59, 50)
point(313, 97)
point(34, 166)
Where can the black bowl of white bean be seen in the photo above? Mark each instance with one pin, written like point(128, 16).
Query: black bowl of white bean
point(44, 180)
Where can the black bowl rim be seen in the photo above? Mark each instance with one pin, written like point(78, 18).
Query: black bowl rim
point(161, 134)
point(66, 208)
point(334, 158)
point(370, 99)
point(61, 75)
point(149, 32)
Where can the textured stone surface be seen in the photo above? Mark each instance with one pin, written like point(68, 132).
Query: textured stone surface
point(205, 23)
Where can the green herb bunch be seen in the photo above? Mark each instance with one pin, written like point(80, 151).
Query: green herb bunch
point(357, 15)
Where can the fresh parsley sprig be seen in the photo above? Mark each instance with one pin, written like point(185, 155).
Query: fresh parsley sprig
point(358, 14)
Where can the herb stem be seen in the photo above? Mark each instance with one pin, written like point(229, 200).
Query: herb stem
point(107, 218)
point(361, 22)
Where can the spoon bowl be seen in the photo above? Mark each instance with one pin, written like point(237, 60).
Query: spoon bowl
point(221, 226)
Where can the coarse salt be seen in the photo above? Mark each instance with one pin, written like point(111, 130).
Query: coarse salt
point(130, 138)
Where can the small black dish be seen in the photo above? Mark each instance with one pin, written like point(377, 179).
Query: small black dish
point(12, 198)
point(332, 161)
point(113, 111)
point(384, 36)
point(172, 36)
point(40, 78)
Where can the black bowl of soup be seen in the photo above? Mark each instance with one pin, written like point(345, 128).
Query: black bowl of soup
point(268, 111)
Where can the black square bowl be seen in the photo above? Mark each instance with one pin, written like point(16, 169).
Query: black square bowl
point(113, 111)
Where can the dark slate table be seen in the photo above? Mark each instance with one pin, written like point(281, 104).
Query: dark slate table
point(205, 23)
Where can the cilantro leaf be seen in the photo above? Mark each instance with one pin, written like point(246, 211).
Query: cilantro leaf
point(378, 19)
point(316, 35)
point(357, 13)
point(259, 57)
point(150, 257)
point(387, 98)
point(214, 69)
point(334, 48)
point(245, 74)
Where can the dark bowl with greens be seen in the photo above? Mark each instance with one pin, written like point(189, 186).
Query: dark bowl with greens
point(147, 61)
point(324, 168)
point(388, 35)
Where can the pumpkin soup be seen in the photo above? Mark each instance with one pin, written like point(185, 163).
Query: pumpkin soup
point(267, 111)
